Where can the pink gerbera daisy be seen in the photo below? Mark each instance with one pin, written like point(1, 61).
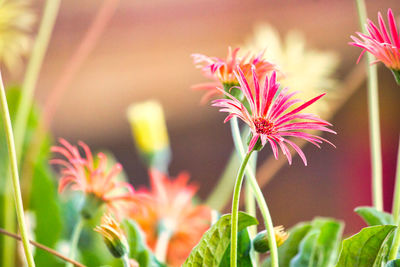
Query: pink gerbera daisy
point(385, 47)
point(272, 116)
point(92, 177)
point(222, 70)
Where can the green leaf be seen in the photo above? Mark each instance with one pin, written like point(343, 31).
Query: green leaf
point(306, 250)
point(393, 263)
point(243, 255)
point(212, 246)
point(138, 249)
point(290, 248)
point(367, 248)
point(319, 246)
point(373, 217)
point(327, 245)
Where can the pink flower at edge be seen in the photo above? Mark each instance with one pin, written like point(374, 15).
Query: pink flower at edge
point(91, 176)
point(385, 47)
point(272, 116)
point(222, 70)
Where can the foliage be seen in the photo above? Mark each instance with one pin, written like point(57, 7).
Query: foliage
point(211, 249)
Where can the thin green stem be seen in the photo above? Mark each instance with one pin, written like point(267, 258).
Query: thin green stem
point(162, 245)
point(125, 260)
point(75, 239)
point(14, 174)
point(235, 209)
point(31, 76)
point(250, 206)
point(396, 210)
point(373, 109)
point(396, 196)
point(258, 195)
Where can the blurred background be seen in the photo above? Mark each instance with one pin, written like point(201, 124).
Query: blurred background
point(144, 54)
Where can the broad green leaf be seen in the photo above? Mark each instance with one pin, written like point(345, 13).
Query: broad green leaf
point(290, 248)
point(326, 248)
point(304, 257)
point(393, 263)
point(138, 249)
point(243, 251)
point(212, 246)
point(373, 217)
point(319, 246)
point(367, 248)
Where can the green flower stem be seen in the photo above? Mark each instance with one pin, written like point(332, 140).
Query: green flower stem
point(125, 260)
point(373, 109)
point(257, 193)
point(14, 174)
point(162, 245)
point(24, 107)
point(235, 209)
point(396, 210)
point(75, 239)
point(250, 205)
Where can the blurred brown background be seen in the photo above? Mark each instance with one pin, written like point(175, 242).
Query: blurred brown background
point(145, 53)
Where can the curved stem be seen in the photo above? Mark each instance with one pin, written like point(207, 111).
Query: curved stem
point(258, 195)
point(235, 210)
point(162, 245)
point(14, 174)
point(125, 260)
point(373, 110)
point(25, 103)
point(396, 210)
point(38, 245)
point(75, 239)
point(396, 197)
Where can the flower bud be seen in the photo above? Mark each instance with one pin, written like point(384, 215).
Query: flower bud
point(113, 236)
point(150, 133)
point(260, 242)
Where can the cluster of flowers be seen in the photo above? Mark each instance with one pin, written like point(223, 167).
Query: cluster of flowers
point(247, 88)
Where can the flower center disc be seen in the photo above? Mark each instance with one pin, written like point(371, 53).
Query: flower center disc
point(264, 126)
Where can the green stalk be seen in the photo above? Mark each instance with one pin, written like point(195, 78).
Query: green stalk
point(125, 260)
point(396, 210)
point(162, 245)
point(373, 109)
point(75, 239)
point(14, 174)
point(235, 209)
point(250, 206)
point(257, 193)
point(24, 107)
point(396, 197)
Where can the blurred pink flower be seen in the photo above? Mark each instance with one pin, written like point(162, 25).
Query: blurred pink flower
point(91, 176)
point(385, 47)
point(222, 70)
point(272, 116)
point(169, 206)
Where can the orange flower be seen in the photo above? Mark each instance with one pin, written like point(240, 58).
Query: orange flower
point(222, 70)
point(168, 207)
point(92, 178)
